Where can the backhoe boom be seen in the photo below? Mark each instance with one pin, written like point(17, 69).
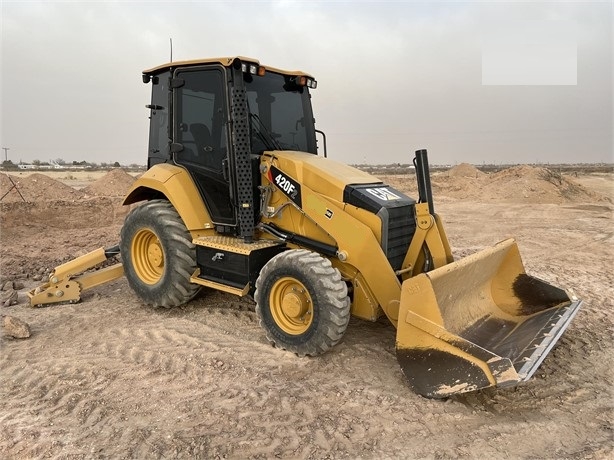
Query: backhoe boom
point(67, 281)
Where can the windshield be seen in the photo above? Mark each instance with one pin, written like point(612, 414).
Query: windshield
point(280, 114)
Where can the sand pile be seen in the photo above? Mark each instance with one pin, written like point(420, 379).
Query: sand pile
point(465, 170)
point(35, 187)
point(402, 182)
point(5, 184)
point(48, 203)
point(519, 184)
point(530, 184)
point(114, 183)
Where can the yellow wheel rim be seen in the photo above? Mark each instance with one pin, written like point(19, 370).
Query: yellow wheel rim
point(147, 256)
point(291, 306)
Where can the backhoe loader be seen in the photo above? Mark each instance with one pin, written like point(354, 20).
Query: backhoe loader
point(237, 198)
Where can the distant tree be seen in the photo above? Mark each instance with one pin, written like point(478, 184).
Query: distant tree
point(116, 164)
point(8, 165)
point(60, 161)
point(36, 162)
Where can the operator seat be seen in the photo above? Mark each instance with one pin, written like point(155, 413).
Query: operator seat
point(202, 138)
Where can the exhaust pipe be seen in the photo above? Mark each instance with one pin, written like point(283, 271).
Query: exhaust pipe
point(423, 176)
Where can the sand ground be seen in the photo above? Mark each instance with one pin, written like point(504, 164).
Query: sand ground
point(112, 378)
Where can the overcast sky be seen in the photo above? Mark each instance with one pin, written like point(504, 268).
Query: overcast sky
point(477, 82)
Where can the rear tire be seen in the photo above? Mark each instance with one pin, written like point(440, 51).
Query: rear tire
point(302, 302)
point(158, 255)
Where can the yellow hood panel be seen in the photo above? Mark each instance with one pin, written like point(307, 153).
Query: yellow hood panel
point(326, 176)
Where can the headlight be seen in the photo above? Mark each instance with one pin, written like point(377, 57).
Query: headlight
point(302, 80)
point(248, 67)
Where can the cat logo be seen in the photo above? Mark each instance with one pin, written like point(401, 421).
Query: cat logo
point(382, 193)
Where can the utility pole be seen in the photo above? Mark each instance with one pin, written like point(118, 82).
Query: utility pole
point(6, 155)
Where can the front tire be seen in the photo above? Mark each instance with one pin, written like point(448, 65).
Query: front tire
point(302, 302)
point(158, 255)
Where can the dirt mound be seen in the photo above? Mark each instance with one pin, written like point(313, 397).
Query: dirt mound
point(403, 182)
point(35, 187)
point(115, 183)
point(5, 184)
point(519, 184)
point(530, 184)
point(92, 213)
point(465, 170)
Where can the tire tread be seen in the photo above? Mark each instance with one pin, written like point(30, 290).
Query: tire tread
point(176, 288)
point(331, 290)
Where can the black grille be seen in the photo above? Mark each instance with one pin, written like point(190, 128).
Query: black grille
point(397, 233)
point(395, 209)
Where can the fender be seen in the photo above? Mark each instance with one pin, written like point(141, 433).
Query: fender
point(176, 185)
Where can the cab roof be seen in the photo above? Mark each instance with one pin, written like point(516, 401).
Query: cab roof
point(225, 61)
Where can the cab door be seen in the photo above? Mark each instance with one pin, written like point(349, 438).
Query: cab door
point(201, 138)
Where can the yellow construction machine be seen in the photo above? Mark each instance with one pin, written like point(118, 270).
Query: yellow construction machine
point(237, 198)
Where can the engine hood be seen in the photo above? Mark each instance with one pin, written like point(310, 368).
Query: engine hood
point(395, 221)
point(323, 175)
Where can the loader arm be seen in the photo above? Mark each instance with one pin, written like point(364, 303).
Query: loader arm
point(67, 281)
point(358, 248)
point(359, 254)
point(430, 236)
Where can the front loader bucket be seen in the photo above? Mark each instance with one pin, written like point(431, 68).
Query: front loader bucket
point(478, 322)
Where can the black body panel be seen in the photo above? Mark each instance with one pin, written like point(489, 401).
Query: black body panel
point(374, 197)
point(231, 268)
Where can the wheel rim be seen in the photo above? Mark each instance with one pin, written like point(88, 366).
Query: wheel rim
point(147, 256)
point(291, 306)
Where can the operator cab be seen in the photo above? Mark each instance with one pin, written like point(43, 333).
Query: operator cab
point(216, 117)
